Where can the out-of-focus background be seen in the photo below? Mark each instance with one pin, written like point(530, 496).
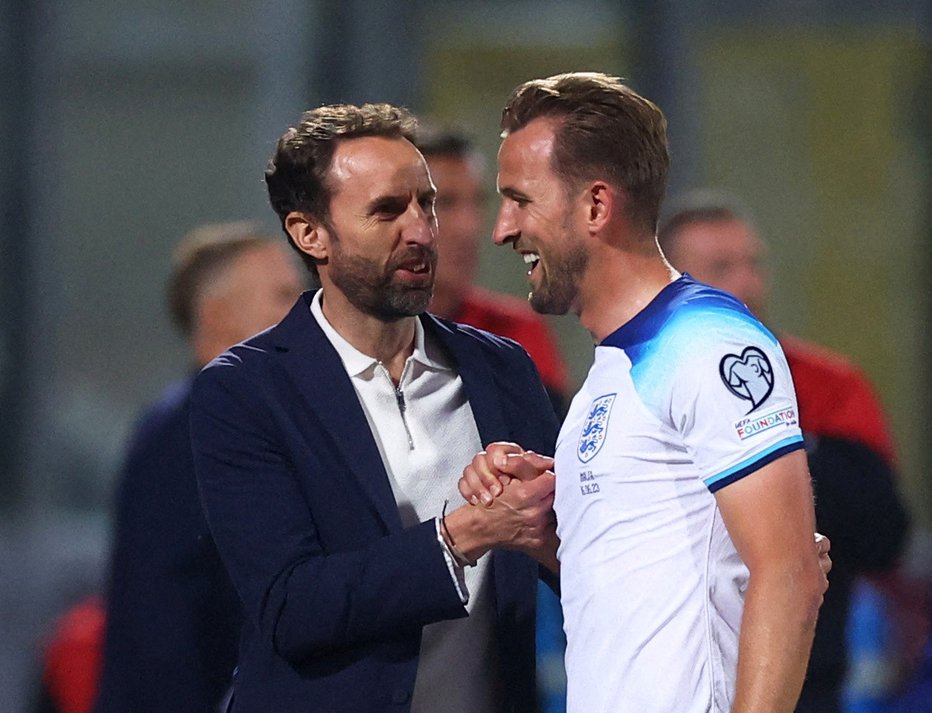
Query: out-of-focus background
point(124, 124)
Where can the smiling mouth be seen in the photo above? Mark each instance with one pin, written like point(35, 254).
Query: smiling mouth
point(531, 260)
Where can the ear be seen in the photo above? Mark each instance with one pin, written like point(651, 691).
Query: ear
point(308, 235)
point(602, 203)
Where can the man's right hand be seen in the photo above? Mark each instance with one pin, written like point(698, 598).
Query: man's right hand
point(520, 514)
point(494, 468)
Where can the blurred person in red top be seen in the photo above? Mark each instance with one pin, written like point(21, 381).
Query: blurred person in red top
point(72, 660)
point(456, 170)
point(851, 455)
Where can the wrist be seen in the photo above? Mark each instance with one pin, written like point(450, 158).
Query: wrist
point(461, 528)
point(458, 556)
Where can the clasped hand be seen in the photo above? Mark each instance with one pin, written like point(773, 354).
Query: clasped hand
point(494, 469)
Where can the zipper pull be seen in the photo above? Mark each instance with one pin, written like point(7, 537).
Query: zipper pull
point(402, 408)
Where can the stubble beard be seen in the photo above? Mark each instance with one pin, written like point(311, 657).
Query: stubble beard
point(372, 289)
point(560, 278)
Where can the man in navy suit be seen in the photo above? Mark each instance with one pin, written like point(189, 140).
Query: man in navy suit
point(172, 615)
point(328, 451)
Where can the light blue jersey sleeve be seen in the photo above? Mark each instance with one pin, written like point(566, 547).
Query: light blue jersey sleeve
point(731, 393)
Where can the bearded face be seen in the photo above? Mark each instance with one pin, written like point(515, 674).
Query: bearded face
point(557, 269)
point(400, 286)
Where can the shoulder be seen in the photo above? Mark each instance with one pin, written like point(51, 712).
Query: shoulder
point(244, 363)
point(253, 357)
point(704, 315)
point(460, 334)
point(483, 355)
point(687, 319)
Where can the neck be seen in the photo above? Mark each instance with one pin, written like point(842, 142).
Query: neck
point(391, 342)
point(619, 283)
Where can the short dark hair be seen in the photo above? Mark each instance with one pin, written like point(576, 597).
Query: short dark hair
point(436, 140)
point(604, 128)
point(296, 176)
point(704, 205)
point(201, 255)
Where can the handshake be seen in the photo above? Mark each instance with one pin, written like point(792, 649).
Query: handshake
point(509, 494)
point(494, 469)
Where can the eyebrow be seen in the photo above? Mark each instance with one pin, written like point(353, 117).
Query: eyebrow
point(387, 202)
point(397, 201)
point(513, 193)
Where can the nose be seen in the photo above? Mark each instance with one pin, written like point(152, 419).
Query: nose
point(506, 229)
point(422, 227)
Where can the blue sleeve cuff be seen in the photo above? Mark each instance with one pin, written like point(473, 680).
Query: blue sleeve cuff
point(735, 473)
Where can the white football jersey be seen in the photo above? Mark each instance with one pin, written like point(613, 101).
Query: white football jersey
point(689, 396)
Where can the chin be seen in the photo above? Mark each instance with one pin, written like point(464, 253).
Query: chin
point(542, 304)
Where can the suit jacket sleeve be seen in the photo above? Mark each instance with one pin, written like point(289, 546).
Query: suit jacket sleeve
point(308, 593)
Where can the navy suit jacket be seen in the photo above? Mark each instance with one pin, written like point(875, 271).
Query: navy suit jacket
point(335, 590)
point(173, 617)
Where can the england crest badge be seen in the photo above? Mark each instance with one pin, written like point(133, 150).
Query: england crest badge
point(592, 433)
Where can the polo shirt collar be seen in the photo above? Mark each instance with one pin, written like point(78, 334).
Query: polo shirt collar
point(356, 362)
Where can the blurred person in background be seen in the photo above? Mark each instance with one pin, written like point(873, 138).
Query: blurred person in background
point(172, 617)
point(710, 236)
point(456, 169)
point(71, 653)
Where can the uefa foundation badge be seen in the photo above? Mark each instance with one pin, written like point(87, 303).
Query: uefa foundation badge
point(749, 376)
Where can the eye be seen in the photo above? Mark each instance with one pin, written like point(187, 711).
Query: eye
point(519, 199)
point(389, 208)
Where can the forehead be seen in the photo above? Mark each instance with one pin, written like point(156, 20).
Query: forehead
point(526, 153)
point(369, 166)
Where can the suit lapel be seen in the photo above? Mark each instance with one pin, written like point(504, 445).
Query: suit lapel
point(315, 367)
point(478, 380)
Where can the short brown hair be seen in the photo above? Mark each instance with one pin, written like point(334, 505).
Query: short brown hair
point(296, 176)
point(202, 255)
point(604, 128)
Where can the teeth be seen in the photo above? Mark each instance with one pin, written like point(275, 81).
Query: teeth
point(530, 258)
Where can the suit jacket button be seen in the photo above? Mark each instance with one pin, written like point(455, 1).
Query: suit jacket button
point(400, 696)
